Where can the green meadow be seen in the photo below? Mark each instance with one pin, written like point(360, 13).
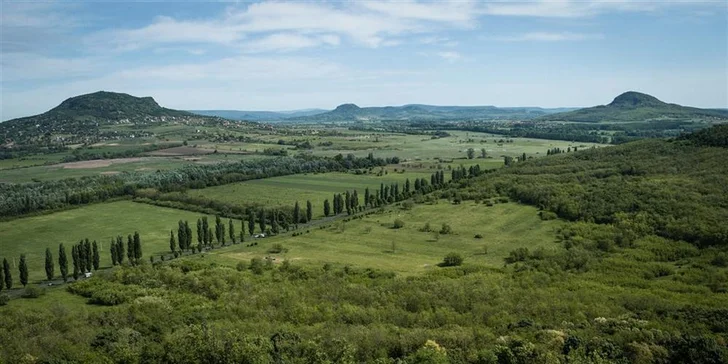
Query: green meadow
point(373, 242)
point(286, 190)
point(100, 222)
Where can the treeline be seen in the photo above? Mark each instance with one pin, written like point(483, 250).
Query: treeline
point(91, 154)
point(20, 199)
point(667, 188)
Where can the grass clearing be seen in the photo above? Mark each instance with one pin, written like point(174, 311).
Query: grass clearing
point(286, 190)
point(100, 222)
point(372, 242)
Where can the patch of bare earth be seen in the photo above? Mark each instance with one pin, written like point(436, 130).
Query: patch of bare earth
point(179, 151)
point(98, 163)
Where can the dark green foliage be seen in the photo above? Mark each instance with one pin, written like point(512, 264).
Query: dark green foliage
point(2, 279)
point(296, 214)
point(49, 264)
point(138, 246)
point(309, 211)
point(4, 299)
point(88, 255)
point(277, 248)
point(398, 224)
point(63, 262)
point(251, 223)
point(327, 208)
point(445, 229)
point(452, 260)
point(130, 250)
point(23, 269)
point(231, 231)
point(7, 275)
point(119, 249)
point(76, 262)
point(96, 258)
point(717, 136)
point(33, 292)
point(182, 236)
point(200, 235)
point(172, 242)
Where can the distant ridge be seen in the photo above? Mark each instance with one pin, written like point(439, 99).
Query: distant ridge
point(258, 115)
point(633, 106)
point(85, 113)
point(419, 112)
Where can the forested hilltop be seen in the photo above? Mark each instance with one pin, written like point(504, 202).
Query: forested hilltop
point(637, 273)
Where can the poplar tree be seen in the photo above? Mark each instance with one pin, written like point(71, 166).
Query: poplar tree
point(209, 233)
point(74, 255)
point(63, 262)
point(88, 254)
point(137, 247)
point(188, 235)
point(206, 238)
point(172, 243)
point(200, 232)
point(327, 208)
point(49, 266)
point(119, 249)
point(242, 231)
point(2, 280)
point(96, 258)
point(231, 231)
point(296, 214)
point(23, 268)
point(309, 211)
point(130, 249)
point(218, 230)
point(261, 220)
point(181, 236)
point(251, 223)
point(113, 252)
point(8, 276)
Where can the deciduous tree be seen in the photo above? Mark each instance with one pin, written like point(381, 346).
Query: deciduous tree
point(8, 276)
point(23, 268)
point(63, 262)
point(49, 265)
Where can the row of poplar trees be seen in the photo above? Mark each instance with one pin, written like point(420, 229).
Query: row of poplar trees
point(6, 275)
point(133, 249)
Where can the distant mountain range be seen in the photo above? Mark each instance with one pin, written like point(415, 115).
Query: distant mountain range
point(418, 112)
point(84, 114)
point(634, 106)
point(259, 115)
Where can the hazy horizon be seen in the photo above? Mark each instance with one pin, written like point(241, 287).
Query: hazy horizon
point(283, 56)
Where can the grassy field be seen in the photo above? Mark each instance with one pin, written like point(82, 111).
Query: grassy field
point(113, 166)
point(372, 242)
point(101, 222)
point(286, 190)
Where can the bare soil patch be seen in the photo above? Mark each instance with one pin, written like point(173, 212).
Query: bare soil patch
point(98, 163)
point(178, 151)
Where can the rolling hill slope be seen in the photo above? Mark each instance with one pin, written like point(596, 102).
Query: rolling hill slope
point(634, 106)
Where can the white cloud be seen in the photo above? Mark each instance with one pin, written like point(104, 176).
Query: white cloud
point(577, 9)
point(450, 56)
point(544, 37)
point(284, 42)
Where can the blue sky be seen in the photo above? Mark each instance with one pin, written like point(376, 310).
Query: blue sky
point(293, 55)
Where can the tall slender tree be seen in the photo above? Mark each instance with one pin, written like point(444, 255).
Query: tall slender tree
point(296, 214)
point(130, 249)
point(242, 231)
point(206, 238)
point(74, 255)
point(113, 251)
point(209, 233)
point(251, 222)
point(23, 268)
point(138, 247)
point(96, 258)
point(119, 249)
point(88, 254)
point(63, 262)
point(231, 231)
point(172, 243)
point(327, 208)
point(309, 211)
point(261, 220)
point(200, 232)
point(50, 267)
point(218, 230)
point(181, 236)
point(2, 279)
point(188, 235)
point(8, 276)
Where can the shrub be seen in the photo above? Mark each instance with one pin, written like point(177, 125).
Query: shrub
point(277, 248)
point(33, 292)
point(547, 215)
point(446, 229)
point(426, 228)
point(256, 265)
point(452, 260)
point(517, 255)
point(241, 266)
point(478, 236)
point(398, 224)
point(407, 205)
point(720, 260)
point(4, 299)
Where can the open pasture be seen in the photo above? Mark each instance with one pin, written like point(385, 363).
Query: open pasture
point(372, 242)
point(286, 190)
point(100, 222)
